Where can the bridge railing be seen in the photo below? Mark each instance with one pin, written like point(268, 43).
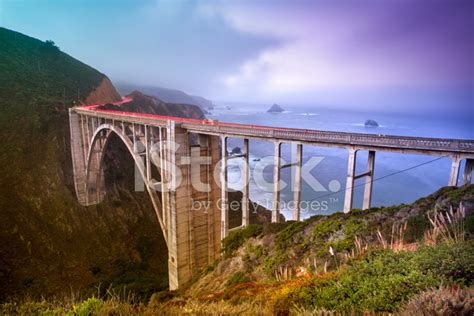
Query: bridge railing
point(293, 134)
point(344, 138)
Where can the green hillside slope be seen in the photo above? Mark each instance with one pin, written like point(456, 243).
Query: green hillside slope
point(48, 243)
point(39, 70)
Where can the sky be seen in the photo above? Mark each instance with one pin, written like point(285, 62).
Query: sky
point(358, 53)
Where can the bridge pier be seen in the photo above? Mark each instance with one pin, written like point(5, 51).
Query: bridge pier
point(467, 176)
point(297, 182)
point(369, 181)
point(276, 183)
point(455, 167)
point(349, 193)
point(224, 194)
point(194, 239)
point(245, 188)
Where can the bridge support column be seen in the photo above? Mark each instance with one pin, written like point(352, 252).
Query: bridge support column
point(224, 193)
point(245, 188)
point(297, 183)
point(180, 230)
point(348, 197)
point(467, 176)
point(454, 175)
point(369, 180)
point(276, 184)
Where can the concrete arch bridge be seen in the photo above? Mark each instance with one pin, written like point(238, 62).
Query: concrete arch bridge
point(173, 154)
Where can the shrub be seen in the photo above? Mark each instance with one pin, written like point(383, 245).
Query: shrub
point(441, 301)
point(236, 278)
point(91, 306)
point(236, 238)
point(455, 263)
point(286, 235)
point(382, 280)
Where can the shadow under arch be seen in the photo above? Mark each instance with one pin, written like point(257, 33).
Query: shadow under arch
point(95, 159)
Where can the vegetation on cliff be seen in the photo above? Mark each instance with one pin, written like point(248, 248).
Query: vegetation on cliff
point(408, 259)
point(50, 245)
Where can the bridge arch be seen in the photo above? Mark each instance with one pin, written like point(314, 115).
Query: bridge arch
point(95, 160)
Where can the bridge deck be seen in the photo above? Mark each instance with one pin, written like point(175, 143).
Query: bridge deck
point(405, 144)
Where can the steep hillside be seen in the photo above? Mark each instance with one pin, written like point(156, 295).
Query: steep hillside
point(34, 71)
point(413, 259)
point(48, 243)
point(374, 261)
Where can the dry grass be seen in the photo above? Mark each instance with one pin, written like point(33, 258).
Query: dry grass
point(360, 248)
point(397, 239)
point(283, 274)
point(447, 226)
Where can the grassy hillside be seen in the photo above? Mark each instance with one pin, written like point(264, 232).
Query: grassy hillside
point(392, 260)
point(32, 69)
point(49, 245)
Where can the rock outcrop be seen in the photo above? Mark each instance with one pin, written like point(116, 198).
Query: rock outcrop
point(147, 104)
point(103, 93)
point(371, 123)
point(276, 108)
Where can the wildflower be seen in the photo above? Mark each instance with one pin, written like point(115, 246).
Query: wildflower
point(331, 251)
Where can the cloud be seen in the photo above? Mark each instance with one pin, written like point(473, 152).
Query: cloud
point(356, 45)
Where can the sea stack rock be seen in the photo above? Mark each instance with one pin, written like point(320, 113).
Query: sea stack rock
point(275, 109)
point(371, 123)
point(236, 151)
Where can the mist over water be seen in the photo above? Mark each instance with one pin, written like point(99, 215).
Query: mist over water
point(402, 187)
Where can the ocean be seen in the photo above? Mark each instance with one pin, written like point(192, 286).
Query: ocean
point(392, 185)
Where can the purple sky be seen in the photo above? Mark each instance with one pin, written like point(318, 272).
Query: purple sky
point(264, 51)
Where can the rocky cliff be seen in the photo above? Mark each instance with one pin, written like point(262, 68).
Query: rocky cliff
point(147, 104)
point(103, 93)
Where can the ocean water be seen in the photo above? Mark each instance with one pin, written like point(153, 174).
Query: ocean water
point(392, 185)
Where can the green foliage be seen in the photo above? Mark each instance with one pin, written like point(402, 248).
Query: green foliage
point(271, 263)
point(49, 74)
point(286, 235)
point(456, 195)
point(382, 280)
point(236, 278)
point(325, 227)
point(469, 224)
point(91, 306)
point(455, 262)
point(416, 227)
point(253, 252)
point(236, 238)
point(42, 307)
